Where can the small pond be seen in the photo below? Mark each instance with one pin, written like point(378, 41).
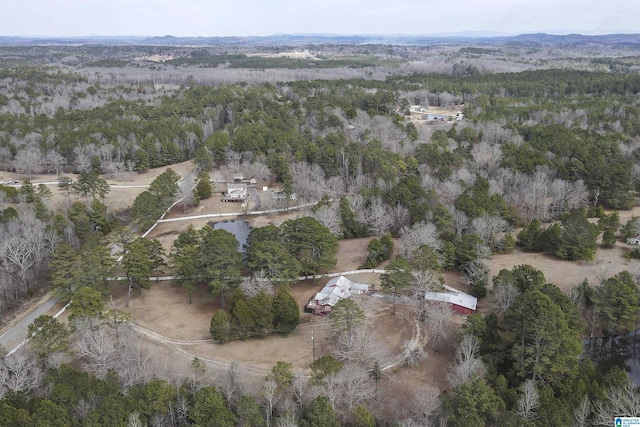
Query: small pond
point(237, 227)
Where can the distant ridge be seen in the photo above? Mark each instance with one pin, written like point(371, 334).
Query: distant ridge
point(475, 37)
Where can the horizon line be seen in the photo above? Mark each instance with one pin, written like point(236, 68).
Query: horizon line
point(450, 34)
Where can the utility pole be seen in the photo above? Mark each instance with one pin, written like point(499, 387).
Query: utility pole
point(313, 345)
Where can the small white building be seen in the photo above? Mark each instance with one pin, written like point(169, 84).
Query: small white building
point(459, 115)
point(235, 193)
point(336, 289)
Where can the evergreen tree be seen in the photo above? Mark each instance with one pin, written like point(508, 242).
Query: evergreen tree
point(319, 413)
point(210, 410)
point(286, 313)
point(220, 328)
point(578, 237)
point(86, 302)
point(249, 412)
point(617, 303)
point(473, 403)
point(311, 243)
point(48, 335)
point(397, 276)
point(62, 266)
point(203, 187)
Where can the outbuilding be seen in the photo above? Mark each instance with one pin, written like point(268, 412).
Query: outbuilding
point(459, 302)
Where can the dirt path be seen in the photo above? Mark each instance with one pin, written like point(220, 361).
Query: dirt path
point(202, 348)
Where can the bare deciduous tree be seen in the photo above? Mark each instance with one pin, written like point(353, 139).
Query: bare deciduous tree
point(230, 383)
point(271, 395)
point(299, 386)
point(258, 170)
point(504, 296)
point(528, 401)
point(418, 235)
point(355, 387)
point(400, 218)
point(412, 354)
point(329, 216)
point(95, 346)
point(487, 227)
point(134, 363)
point(448, 191)
point(582, 413)
point(336, 187)
point(425, 405)
point(28, 161)
point(487, 158)
point(474, 272)
point(619, 402)
point(438, 318)
point(460, 223)
point(20, 373)
point(82, 159)
point(363, 348)
point(54, 161)
point(467, 364)
point(308, 181)
point(424, 281)
point(377, 216)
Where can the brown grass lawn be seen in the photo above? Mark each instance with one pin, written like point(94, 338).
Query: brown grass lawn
point(117, 199)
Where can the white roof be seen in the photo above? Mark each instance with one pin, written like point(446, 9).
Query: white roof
point(453, 296)
point(338, 288)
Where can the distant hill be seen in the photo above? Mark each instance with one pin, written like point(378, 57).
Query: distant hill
point(482, 38)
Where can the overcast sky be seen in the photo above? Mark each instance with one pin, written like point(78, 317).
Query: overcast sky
point(265, 17)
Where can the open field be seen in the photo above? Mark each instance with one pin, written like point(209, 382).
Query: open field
point(566, 274)
point(123, 190)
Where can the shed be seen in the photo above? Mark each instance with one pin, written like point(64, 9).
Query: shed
point(336, 289)
point(459, 302)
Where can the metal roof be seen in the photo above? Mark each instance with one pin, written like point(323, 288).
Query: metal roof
point(453, 296)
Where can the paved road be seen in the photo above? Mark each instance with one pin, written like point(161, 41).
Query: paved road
point(18, 332)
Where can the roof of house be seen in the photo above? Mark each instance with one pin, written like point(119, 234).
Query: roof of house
point(236, 188)
point(338, 288)
point(453, 296)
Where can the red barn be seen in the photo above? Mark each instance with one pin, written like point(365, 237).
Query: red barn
point(459, 302)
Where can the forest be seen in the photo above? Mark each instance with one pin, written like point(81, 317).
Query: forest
point(546, 161)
